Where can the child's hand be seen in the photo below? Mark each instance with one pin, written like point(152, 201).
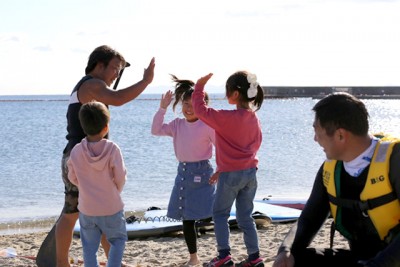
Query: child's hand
point(214, 178)
point(166, 99)
point(203, 80)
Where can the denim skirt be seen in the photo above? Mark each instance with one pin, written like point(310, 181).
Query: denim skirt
point(192, 197)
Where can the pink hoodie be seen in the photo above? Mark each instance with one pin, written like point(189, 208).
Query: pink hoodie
point(98, 170)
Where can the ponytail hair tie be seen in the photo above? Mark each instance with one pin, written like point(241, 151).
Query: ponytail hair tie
point(252, 91)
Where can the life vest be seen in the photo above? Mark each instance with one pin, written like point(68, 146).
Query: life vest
point(377, 199)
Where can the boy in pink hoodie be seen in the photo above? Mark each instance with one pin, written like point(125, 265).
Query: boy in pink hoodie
point(97, 168)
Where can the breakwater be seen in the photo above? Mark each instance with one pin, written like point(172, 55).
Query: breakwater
point(378, 92)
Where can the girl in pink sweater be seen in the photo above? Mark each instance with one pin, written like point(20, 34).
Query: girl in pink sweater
point(192, 196)
point(238, 138)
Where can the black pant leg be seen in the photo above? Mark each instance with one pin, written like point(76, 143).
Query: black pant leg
point(189, 232)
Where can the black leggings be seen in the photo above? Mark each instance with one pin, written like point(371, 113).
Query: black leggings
point(189, 231)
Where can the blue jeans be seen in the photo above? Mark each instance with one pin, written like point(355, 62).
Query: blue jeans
point(242, 186)
point(113, 227)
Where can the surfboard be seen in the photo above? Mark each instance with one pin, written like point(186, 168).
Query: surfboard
point(145, 228)
point(261, 211)
point(156, 223)
point(260, 219)
point(289, 202)
point(278, 214)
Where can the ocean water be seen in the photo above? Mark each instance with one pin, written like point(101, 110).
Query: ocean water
point(32, 138)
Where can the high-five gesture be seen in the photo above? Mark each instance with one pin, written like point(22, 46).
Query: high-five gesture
point(203, 80)
point(148, 74)
point(166, 99)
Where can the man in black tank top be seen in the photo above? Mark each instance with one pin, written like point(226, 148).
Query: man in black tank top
point(103, 68)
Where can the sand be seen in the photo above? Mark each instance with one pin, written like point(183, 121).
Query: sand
point(167, 250)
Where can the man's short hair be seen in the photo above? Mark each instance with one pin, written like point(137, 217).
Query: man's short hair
point(342, 110)
point(102, 54)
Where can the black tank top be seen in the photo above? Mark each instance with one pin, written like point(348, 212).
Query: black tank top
point(74, 128)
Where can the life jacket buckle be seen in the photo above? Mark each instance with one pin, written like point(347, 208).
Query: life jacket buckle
point(364, 206)
point(365, 214)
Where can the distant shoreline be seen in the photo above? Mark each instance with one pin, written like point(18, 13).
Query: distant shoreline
point(270, 92)
point(64, 98)
point(220, 98)
point(316, 92)
point(40, 224)
point(322, 96)
point(368, 97)
point(31, 100)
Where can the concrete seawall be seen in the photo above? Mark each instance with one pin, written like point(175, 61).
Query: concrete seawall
point(387, 92)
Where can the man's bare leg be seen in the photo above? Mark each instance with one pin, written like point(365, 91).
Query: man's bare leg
point(64, 231)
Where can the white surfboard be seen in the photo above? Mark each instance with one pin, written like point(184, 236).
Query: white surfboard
point(155, 222)
point(146, 227)
point(260, 219)
point(276, 214)
point(289, 202)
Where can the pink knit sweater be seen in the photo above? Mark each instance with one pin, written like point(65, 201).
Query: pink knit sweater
point(237, 134)
point(192, 140)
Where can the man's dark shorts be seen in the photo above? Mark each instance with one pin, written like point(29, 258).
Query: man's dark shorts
point(71, 191)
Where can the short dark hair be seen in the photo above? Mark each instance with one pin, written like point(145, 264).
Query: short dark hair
point(342, 110)
point(102, 54)
point(93, 116)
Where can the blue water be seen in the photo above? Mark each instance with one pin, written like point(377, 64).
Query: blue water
point(33, 136)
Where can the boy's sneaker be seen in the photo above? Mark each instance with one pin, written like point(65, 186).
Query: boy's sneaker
point(227, 261)
point(258, 263)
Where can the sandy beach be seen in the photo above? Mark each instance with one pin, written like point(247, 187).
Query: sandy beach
point(167, 250)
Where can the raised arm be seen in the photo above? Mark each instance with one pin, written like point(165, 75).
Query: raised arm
point(158, 127)
point(96, 89)
point(166, 99)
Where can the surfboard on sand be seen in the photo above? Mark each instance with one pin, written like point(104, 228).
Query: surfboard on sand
point(278, 214)
point(263, 211)
point(259, 218)
point(156, 223)
point(145, 228)
point(289, 202)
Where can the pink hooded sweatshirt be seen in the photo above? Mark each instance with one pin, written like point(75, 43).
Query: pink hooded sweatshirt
point(98, 170)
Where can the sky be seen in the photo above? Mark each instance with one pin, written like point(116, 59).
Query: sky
point(45, 44)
